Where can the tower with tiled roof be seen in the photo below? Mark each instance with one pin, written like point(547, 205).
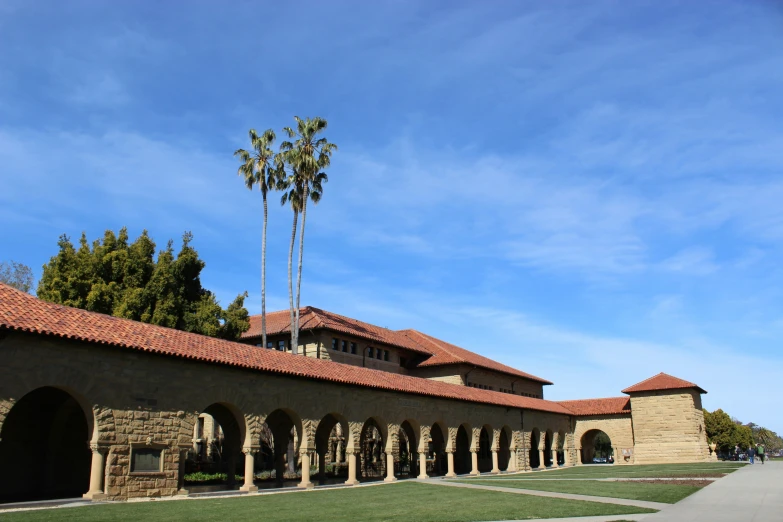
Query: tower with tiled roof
point(668, 421)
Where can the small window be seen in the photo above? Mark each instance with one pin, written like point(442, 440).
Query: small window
point(403, 362)
point(370, 351)
point(259, 345)
point(145, 460)
point(345, 346)
point(270, 344)
point(334, 343)
point(379, 354)
point(386, 355)
point(353, 348)
point(281, 345)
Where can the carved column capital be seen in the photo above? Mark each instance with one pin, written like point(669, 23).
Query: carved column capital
point(250, 451)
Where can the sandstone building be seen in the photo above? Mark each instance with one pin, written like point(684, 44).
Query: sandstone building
point(114, 409)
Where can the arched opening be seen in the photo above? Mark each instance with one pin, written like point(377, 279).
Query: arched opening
point(280, 436)
point(372, 451)
point(535, 456)
point(44, 448)
point(437, 463)
point(485, 450)
point(462, 460)
point(596, 448)
point(561, 448)
point(408, 451)
point(504, 448)
point(215, 460)
point(548, 449)
point(330, 447)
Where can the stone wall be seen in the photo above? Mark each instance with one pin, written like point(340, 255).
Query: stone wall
point(619, 429)
point(668, 426)
point(133, 399)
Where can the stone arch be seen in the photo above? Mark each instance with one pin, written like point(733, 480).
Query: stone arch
point(548, 442)
point(463, 442)
point(219, 433)
point(44, 446)
point(330, 442)
point(484, 444)
point(288, 434)
point(535, 453)
point(437, 448)
point(562, 447)
point(372, 448)
point(588, 447)
point(408, 441)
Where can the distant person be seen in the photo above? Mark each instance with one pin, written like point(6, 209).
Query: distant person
point(751, 453)
point(760, 452)
point(736, 452)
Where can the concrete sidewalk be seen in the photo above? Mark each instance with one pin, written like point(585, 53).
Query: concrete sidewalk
point(551, 494)
point(751, 494)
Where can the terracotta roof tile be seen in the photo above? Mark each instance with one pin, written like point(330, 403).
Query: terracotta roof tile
point(662, 381)
point(607, 406)
point(24, 313)
point(447, 353)
point(311, 318)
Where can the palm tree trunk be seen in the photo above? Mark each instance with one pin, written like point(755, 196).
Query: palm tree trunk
point(294, 347)
point(263, 276)
point(301, 252)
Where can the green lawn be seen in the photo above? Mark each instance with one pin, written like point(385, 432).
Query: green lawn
point(668, 493)
point(708, 469)
point(400, 501)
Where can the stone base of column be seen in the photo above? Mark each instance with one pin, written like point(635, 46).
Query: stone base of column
point(184, 492)
point(422, 477)
point(94, 496)
point(304, 485)
point(249, 489)
point(387, 479)
point(352, 482)
point(474, 473)
point(450, 475)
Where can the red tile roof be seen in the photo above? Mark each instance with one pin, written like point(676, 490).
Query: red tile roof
point(608, 406)
point(312, 318)
point(446, 353)
point(24, 313)
point(662, 381)
point(438, 352)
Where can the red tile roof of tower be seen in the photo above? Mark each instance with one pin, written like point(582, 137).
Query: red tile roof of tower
point(662, 381)
point(22, 312)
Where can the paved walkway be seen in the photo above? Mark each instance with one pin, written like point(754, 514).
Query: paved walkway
point(552, 494)
point(750, 494)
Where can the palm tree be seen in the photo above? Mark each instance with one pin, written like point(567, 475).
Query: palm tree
point(293, 195)
point(306, 156)
point(258, 168)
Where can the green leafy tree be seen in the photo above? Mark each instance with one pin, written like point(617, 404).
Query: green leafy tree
point(306, 156)
point(124, 280)
point(725, 432)
point(15, 274)
point(258, 169)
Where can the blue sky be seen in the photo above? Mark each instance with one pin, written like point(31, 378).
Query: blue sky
point(588, 191)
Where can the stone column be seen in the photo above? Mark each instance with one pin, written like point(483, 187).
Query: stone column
point(495, 466)
point(351, 467)
point(390, 468)
point(512, 463)
point(578, 457)
point(474, 462)
point(450, 458)
point(183, 453)
point(423, 466)
point(250, 466)
point(339, 456)
point(541, 461)
point(96, 473)
point(554, 459)
point(566, 457)
point(305, 454)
